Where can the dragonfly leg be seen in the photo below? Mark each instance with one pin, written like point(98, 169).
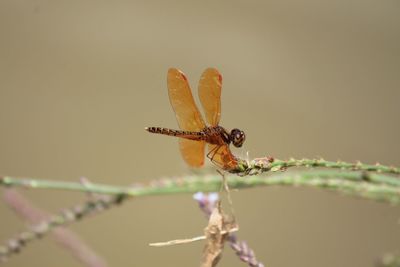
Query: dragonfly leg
point(222, 158)
point(212, 154)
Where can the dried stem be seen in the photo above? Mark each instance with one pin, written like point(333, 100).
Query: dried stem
point(42, 226)
point(207, 203)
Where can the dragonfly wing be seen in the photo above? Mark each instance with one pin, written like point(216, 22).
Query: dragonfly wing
point(192, 152)
point(222, 156)
point(181, 98)
point(210, 95)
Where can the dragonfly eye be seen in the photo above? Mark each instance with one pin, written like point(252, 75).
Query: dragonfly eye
point(237, 137)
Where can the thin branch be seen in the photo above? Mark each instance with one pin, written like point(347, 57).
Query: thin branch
point(244, 252)
point(267, 164)
point(42, 227)
point(65, 237)
point(372, 186)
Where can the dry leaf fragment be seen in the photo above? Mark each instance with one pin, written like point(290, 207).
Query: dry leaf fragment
point(217, 231)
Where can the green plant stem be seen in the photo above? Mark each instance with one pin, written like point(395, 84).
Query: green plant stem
point(372, 186)
point(390, 260)
point(261, 165)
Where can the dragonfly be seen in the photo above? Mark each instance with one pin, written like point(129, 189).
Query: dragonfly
point(194, 134)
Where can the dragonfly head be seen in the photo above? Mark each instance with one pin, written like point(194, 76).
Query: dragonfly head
point(237, 137)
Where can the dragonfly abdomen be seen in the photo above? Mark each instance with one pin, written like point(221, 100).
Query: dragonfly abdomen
point(178, 133)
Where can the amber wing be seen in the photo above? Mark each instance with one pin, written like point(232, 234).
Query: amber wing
point(187, 115)
point(192, 152)
point(181, 98)
point(222, 156)
point(210, 95)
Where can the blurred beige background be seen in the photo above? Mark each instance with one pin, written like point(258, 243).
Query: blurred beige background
point(79, 80)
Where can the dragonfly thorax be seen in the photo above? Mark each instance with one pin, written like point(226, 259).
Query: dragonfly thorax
point(219, 136)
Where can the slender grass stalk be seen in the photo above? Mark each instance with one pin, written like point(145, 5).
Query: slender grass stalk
point(372, 186)
point(267, 164)
point(353, 179)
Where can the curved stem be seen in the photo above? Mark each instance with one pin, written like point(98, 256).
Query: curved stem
point(372, 186)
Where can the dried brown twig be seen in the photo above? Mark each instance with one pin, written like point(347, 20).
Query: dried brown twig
point(207, 203)
point(42, 223)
